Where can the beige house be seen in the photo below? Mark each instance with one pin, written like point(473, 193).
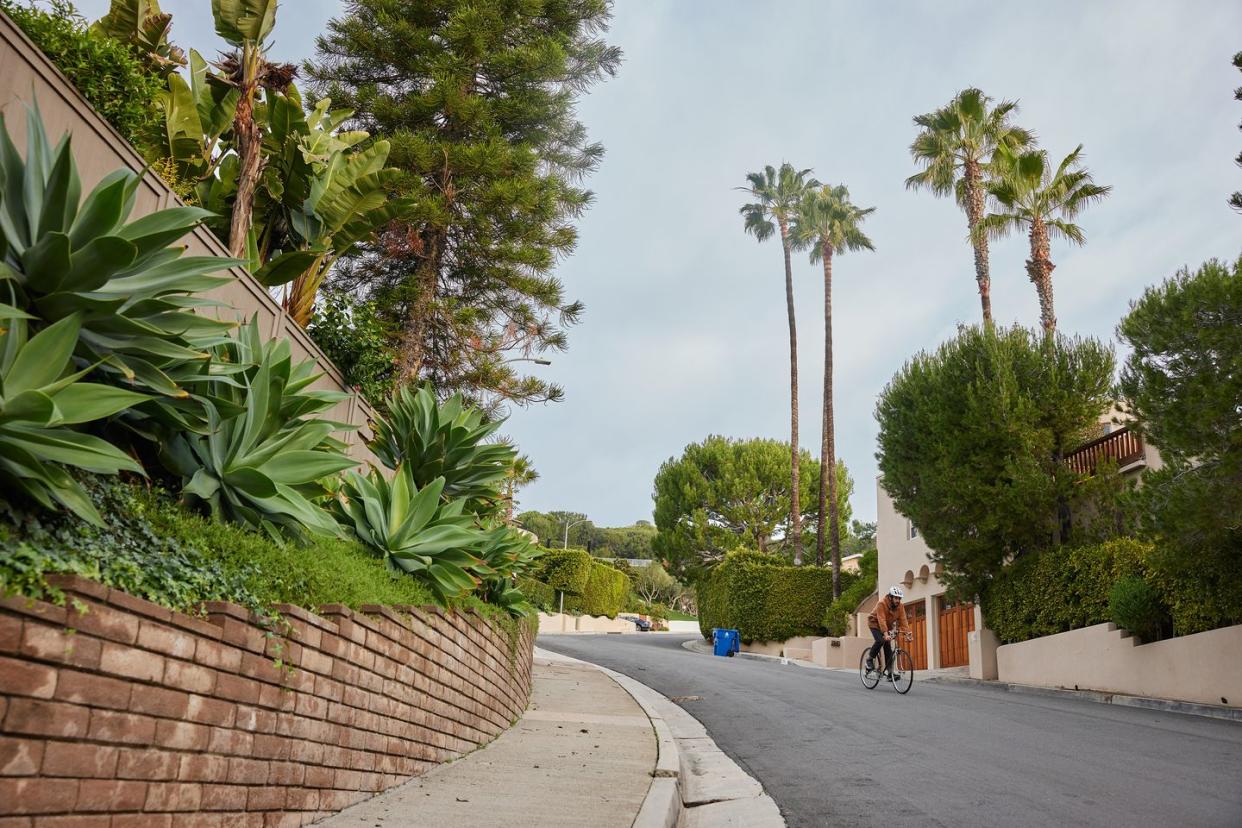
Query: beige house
point(942, 629)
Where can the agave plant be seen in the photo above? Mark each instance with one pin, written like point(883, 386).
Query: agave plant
point(264, 451)
point(416, 533)
point(133, 294)
point(508, 554)
point(445, 440)
point(41, 395)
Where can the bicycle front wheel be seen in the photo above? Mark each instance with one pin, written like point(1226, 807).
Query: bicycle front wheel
point(903, 672)
point(870, 678)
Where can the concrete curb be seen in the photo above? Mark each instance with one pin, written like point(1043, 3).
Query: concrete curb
point(694, 783)
point(1165, 705)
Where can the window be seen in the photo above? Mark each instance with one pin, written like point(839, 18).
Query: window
point(912, 531)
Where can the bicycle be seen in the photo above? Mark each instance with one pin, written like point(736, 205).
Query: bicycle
point(902, 661)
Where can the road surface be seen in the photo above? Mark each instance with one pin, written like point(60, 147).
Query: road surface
point(832, 753)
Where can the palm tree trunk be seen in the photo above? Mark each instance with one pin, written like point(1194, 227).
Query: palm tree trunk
point(974, 213)
point(1039, 269)
point(795, 500)
point(829, 516)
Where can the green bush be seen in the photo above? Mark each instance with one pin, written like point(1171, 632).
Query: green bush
point(107, 72)
point(1135, 605)
point(566, 570)
point(764, 599)
point(855, 587)
point(358, 343)
point(605, 592)
point(541, 596)
point(1060, 589)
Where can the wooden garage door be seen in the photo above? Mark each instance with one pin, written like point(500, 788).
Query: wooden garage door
point(956, 622)
point(916, 614)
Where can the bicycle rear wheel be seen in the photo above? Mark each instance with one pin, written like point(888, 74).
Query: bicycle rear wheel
point(870, 678)
point(903, 672)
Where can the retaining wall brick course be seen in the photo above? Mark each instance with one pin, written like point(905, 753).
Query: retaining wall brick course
point(191, 722)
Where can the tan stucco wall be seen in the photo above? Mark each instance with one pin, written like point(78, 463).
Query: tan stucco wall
point(1205, 668)
point(845, 653)
point(558, 623)
point(903, 560)
point(801, 645)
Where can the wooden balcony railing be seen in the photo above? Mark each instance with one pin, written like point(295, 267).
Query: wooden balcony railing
point(1123, 446)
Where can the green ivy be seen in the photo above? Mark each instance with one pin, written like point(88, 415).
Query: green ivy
point(358, 343)
point(107, 72)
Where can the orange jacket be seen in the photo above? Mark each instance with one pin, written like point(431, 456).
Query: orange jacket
point(883, 617)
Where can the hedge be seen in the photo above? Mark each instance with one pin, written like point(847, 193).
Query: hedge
point(763, 598)
point(1060, 589)
point(605, 593)
point(566, 570)
point(541, 596)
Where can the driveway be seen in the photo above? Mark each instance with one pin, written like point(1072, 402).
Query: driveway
point(831, 752)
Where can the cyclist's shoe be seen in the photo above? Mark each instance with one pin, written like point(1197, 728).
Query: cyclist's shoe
point(896, 676)
point(870, 665)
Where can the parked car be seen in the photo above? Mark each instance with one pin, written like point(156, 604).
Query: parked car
point(642, 624)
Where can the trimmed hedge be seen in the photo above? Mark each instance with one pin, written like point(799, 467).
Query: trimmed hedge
point(855, 587)
point(566, 570)
point(605, 592)
point(1060, 589)
point(541, 596)
point(763, 598)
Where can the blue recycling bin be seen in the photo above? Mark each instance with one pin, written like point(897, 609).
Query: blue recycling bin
point(725, 642)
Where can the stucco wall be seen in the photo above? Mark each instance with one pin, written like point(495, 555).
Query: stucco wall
point(27, 75)
point(565, 623)
point(1205, 668)
point(900, 554)
point(114, 710)
point(839, 652)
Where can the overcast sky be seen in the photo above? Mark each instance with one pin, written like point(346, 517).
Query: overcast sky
point(685, 331)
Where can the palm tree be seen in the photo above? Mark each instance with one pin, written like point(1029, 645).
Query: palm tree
point(956, 148)
point(521, 474)
point(828, 223)
point(1031, 195)
point(777, 194)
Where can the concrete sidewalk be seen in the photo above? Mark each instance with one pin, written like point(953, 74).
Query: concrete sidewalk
point(583, 754)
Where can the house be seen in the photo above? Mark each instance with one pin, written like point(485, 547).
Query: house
point(941, 627)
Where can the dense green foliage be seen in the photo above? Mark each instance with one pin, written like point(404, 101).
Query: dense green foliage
point(1059, 589)
point(151, 547)
point(1134, 605)
point(358, 343)
point(972, 438)
point(601, 541)
point(855, 587)
point(566, 570)
point(107, 72)
point(604, 594)
point(764, 598)
point(540, 596)
point(1183, 380)
point(725, 494)
point(1235, 200)
point(478, 103)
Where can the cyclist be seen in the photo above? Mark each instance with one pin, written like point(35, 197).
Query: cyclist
point(887, 612)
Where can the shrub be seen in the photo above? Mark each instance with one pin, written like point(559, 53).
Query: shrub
point(855, 587)
point(357, 342)
point(605, 592)
point(764, 599)
point(540, 596)
point(566, 570)
point(1059, 589)
point(1135, 606)
point(111, 77)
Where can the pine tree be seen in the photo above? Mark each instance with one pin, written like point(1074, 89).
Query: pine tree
point(478, 102)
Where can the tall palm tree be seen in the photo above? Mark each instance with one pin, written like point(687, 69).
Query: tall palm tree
point(1031, 195)
point(956, 147)
point(777, 194)
point(828, 223)
point(521, 474)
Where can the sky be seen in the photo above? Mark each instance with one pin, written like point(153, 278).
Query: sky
point(685, 333)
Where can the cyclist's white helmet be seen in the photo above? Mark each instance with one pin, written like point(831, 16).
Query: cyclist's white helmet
point(896, 592)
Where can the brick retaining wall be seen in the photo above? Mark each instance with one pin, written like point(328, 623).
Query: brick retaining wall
point(119, 709)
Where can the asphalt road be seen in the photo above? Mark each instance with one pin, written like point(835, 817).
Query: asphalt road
point(832, 753)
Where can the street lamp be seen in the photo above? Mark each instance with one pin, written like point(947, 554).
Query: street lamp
point(536, 360)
